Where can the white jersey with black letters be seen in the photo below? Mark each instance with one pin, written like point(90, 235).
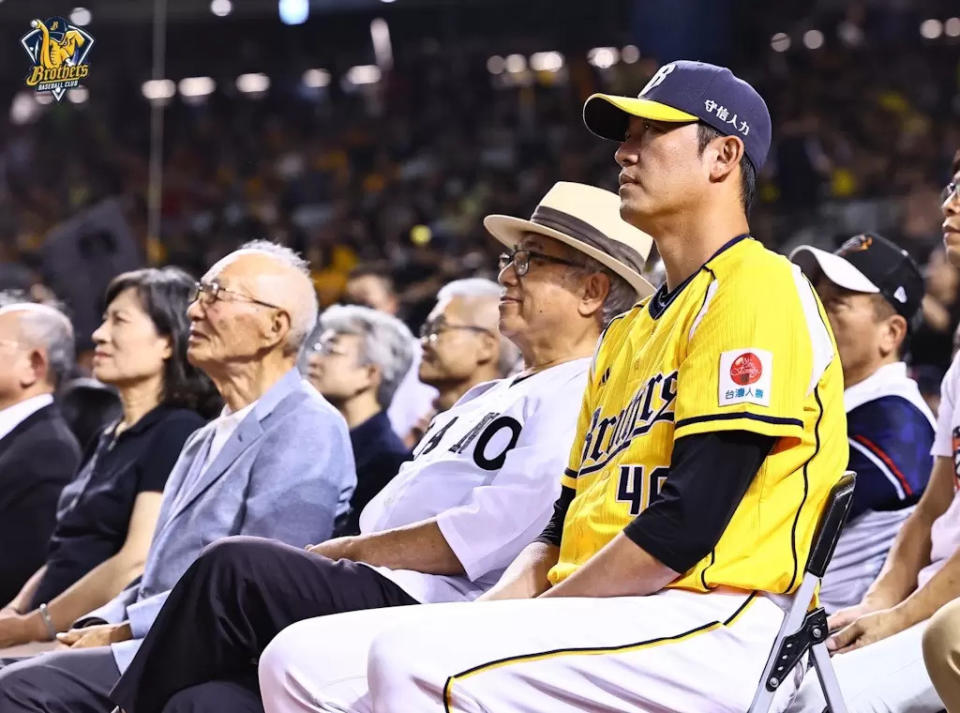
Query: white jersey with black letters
point(488, 470)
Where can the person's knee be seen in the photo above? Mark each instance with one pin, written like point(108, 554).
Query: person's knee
point(391, 667)
point(235, 554)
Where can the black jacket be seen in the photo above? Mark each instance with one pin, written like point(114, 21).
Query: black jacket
point(37, 458)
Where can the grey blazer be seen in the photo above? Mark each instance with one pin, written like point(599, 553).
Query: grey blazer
point(285, 473)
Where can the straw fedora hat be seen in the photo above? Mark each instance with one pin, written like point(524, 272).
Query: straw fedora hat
point(588, 219)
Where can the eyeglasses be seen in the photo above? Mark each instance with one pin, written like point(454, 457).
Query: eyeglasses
point(521, 260)
point(206, 293)
point(951, 191)
point(326, 347)
point(430, 331)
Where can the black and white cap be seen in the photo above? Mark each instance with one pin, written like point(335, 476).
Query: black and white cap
point(868, 263)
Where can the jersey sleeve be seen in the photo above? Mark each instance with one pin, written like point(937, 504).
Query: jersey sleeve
point(755, 351)
point(890, 452)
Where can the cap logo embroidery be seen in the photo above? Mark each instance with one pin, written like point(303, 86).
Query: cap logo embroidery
point(657, 79)
point(900, 294)
point(855, 245)
point(722, 113)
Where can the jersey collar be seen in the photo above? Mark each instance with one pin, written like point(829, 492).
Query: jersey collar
point(662, 298)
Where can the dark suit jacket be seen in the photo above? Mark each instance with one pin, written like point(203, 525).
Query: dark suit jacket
point(37, 458)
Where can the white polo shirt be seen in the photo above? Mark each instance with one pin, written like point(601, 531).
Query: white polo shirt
point(489, 471)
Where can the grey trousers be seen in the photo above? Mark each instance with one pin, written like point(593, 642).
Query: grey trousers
point(59, 682)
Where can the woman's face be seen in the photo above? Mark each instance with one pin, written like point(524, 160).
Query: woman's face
point(128, 348)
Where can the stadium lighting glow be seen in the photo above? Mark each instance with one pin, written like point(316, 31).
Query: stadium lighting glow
point(158, 89)
point(849, 33)
point(380, 36)
point(294, 12)
point(24, 108)
point(196, 86)
point(603, 57)
point(931, 29)
point(80, 16)
point(78, 95)
point(780, 42)
point(630, 54)
point(813, 39)
point(316, 78)
point(363, 74)
point(387, 1)
point(546, 61)
point(516, 63)
point(44, 98)
point(952, 27)
point(253, 83)
point(496, 64)
point(221, 8)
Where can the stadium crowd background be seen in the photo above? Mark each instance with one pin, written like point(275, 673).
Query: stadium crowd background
point(398, 172)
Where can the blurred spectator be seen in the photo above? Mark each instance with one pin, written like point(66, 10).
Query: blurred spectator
point(871, 291)
point(357, 361)
point(372, 286)
point(107, 515)
point(38, 453)
point(276, 463)
point(933, 341)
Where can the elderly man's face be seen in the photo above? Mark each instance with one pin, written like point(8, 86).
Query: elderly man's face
point(542, 301)
point(459, 334)
point(232, 328)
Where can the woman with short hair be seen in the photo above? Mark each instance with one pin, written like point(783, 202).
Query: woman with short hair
point(106, 515)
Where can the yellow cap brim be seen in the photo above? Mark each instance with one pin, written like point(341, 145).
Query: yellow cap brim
point(608, 116)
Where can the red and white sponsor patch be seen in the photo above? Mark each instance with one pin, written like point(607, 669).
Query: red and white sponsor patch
point(746, 376)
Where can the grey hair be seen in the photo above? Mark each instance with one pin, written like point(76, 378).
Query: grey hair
point(49, 328)
point(480, 288)
point(621, 296)
point(387, 343)
point(303, 316)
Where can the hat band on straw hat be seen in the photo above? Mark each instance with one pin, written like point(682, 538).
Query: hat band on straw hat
point(583, 231)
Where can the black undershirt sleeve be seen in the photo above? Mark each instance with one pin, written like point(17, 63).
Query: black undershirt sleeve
point(554, 529)
point(709, 475)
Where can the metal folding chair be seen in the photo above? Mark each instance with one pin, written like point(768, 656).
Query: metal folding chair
point(804, 630)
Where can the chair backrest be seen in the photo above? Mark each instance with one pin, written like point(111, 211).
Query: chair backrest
point(831, 523)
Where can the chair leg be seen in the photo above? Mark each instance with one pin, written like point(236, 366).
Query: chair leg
point(828, 679)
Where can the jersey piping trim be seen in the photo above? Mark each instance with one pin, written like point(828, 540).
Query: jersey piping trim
point(776, 420)
point(592, 651)
point(806, 488)
point(884, 464)
point(657, 308)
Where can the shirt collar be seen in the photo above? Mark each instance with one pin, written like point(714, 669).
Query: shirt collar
point(13, 416)
point(889, 379)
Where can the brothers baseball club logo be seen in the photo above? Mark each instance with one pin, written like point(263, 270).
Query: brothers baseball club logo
point(58, 51)
point(746, 369)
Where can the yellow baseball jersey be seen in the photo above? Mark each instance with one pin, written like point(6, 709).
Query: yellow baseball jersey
point(744, 345)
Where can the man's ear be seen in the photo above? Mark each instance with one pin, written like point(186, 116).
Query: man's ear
point(280, 325)
point(595, 290)
point(35, 368)
point(489, 348)
point(728, 155)
point(894, 332)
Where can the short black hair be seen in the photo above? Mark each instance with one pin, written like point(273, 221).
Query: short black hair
point(165, 295)
point(748, 173)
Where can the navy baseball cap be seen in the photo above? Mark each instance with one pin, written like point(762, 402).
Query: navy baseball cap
point(869, 263)
point(685, 91)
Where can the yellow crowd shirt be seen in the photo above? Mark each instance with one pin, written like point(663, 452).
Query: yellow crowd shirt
point(743, 344)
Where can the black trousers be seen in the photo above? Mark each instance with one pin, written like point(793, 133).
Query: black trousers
point(238, 595)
